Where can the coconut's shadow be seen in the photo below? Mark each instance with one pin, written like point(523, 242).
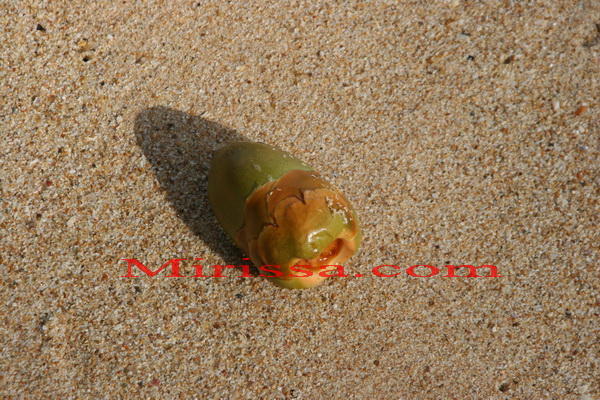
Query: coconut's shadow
point(179, 146)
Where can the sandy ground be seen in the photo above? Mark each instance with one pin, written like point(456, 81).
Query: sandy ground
point(464, 132)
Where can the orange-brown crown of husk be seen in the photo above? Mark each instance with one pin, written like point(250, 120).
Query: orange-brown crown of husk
point(299, 219)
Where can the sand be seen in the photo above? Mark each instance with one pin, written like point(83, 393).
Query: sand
point(464, 133)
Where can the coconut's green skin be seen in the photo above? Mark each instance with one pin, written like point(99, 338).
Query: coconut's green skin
point(239, 168)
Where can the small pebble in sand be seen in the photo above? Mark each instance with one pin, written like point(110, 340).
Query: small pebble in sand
point(580, 110)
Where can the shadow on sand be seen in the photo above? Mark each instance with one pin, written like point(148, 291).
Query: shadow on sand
point(179, 147)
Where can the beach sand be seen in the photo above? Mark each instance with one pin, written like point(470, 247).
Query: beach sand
point(463, 132)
